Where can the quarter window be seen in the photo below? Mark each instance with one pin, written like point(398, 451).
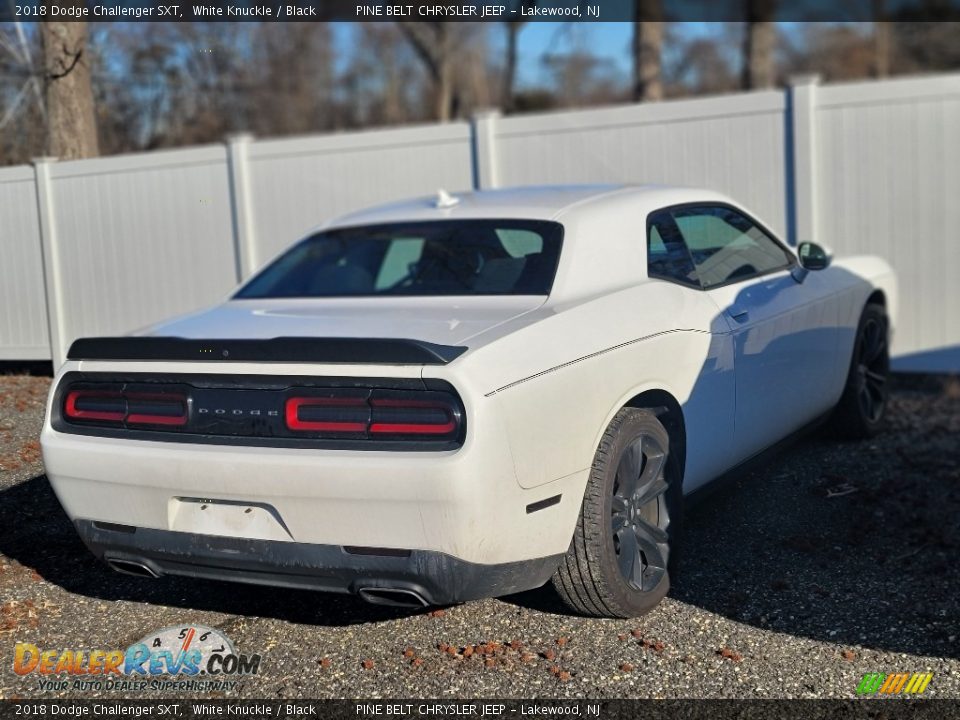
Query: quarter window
point(726, 246)
point(667, 255)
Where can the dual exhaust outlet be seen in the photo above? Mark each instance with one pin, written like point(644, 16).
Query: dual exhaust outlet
point(391, 597)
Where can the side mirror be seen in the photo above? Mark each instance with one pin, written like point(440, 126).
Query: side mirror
point(812, 256)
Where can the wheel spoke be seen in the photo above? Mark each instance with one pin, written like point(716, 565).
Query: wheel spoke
point(628, 472)
point(875, 352)
point(651, 532)
point(866, 402)
point(629, 556)
point(651, 577)
point(875, 377)
point(874, 343)
point(876, 400)
point(655, 560)
point(651, 492)
point(652, 467)
point(618, 522)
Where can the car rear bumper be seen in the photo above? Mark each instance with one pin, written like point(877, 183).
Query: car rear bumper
point(392, 577)
point(283, 515)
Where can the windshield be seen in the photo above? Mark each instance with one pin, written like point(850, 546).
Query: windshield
point(445, 257)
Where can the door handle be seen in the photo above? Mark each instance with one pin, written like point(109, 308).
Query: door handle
point(738, 314)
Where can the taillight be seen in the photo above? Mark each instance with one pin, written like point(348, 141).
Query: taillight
point(388, 414)
point(156, 409)
point(412, 416)
point(276, 411)
point(104, 406)
point(327, 414)
point(117, 407)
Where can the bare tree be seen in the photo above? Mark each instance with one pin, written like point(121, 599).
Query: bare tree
point(647, 49)
point(382, 82)
point(702, 69)
point(759, 39)
point(881, 48)
point(71, 121)
point(507, 100)
point(433, 43)
point(580, 79)
point(292, 85)
point(881, 41)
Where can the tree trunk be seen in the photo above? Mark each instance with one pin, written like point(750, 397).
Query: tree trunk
point(432, 42)
point(444, 93)
point(510, 69)
point(71, 120)
point(760, 36)
point(647, 44)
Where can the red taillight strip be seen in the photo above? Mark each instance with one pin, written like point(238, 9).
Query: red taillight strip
point(72, 411)
point(292, 412)
point(408, 428)
point(412, 428)
point(152, 418)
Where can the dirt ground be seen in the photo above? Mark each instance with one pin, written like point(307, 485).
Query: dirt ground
point(835, 560)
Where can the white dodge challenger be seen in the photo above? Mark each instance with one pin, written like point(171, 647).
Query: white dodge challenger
point(467, 396)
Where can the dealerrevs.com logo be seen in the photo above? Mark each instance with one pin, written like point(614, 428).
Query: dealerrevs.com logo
point(191, 658)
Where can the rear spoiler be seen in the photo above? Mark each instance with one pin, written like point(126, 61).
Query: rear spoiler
point(386, 351)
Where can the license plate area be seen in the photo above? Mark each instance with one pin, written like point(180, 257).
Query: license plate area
point(227, 518)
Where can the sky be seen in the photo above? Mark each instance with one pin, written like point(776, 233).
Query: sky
point(608, 41)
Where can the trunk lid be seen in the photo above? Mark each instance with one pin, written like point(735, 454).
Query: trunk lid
point(439, 320)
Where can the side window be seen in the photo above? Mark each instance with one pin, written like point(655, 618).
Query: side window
point(667, 255)
point(726, 246)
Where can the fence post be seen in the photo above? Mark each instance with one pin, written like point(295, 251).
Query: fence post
point(483, 125)
point(241, 205)
point(50, 258)
point(802, 104)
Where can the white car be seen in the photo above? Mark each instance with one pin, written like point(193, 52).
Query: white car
point(467, 396)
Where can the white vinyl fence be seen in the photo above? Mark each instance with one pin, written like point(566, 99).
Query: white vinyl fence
point(108, 245)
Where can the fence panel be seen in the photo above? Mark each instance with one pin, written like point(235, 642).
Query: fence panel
point(108, 245)
point(888, 171)
point(139, 238)
point(296, 184)
point(24, 333)
point(735, 144)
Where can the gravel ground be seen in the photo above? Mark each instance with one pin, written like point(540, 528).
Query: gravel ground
point(833, 561)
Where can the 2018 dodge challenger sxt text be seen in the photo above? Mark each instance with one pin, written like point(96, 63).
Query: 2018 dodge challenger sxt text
point(466, 396)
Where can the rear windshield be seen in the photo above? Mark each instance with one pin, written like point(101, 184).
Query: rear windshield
point(444, 257)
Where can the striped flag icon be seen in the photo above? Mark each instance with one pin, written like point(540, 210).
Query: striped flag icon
point(894, 683)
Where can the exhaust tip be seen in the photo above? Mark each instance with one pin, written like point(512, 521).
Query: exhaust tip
point(392, 597)
point(131, 567)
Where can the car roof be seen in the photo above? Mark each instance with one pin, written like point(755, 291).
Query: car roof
point(545, 202)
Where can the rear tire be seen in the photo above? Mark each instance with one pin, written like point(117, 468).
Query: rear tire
point(619, 558)
point(862, 407)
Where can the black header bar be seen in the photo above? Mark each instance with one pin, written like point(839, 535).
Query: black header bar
point(468, 10)
point(463, 709)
